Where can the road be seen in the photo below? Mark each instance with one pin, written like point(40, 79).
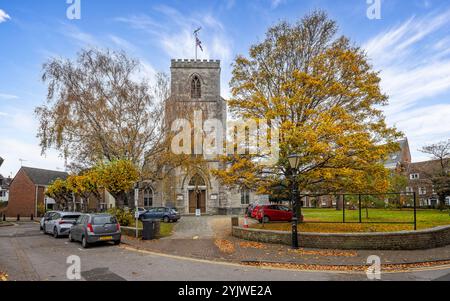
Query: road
point(27, 254)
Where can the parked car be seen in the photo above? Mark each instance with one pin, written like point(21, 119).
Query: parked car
point(274, 213)
point(59, 223)
point(141, 210)
point(255, 210)
point(165, 214)
point(93, 228)
point(45, 219)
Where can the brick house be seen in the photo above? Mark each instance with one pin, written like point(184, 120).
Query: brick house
point(27, 190)
point(419, 181)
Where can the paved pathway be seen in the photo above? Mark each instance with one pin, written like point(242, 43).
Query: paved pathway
point(203, 227)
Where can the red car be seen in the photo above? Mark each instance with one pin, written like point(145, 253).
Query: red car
point(255, 211)
point(274, 213)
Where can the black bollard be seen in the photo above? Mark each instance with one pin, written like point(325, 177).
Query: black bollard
point(4, 217)
point(31, 218)
point(18, 217)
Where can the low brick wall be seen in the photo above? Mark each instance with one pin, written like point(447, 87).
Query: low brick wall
point(405, 240)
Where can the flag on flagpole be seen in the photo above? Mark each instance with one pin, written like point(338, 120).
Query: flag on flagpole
point(199, 43)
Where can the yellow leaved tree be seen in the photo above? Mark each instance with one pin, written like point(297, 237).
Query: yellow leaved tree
point(325, 99)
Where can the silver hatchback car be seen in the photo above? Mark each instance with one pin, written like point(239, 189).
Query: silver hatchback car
point(93, 228)
point(59, 223)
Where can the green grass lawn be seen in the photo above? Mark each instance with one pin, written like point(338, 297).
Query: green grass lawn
point(425, 219)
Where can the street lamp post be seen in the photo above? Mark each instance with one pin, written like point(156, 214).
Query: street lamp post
point(294, 162)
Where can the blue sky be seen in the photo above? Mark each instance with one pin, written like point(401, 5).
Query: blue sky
point(409, 45)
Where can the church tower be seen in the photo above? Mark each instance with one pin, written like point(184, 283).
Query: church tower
point(195, 87)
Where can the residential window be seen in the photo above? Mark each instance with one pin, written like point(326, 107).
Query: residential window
point(422, 191)
point(414, 176)
point(409, 189)
point(196, 88)
point(245, 196)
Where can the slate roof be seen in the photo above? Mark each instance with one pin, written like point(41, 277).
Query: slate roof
point(4, 182)
point(397, 157)
point(42, 176)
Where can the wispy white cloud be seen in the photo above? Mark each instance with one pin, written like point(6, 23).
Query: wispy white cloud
point(423, 126)
point(415, 70)
point(8, 96)
point(29, 151)
point(78, 36)
point(122, 43)
point(4, 16)
point(276, 3)
point(174, 31)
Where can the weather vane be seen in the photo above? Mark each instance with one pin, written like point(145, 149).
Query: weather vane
point(198, 43)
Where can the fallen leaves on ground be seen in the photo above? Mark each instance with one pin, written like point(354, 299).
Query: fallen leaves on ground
point(252, 244)
point(348, 268)
point(335, 253)
point(333, 227)
point(3, 276)
point(225, 246)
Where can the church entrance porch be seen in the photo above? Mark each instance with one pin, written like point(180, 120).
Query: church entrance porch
point(197, 200)
point(197, 194)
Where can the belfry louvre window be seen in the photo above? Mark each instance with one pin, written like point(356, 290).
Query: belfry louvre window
point(196, 88)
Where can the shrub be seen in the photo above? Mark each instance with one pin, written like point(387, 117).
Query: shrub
point(125, 218)
point(40, 210)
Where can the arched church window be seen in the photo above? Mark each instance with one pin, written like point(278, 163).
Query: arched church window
point(196, 88)
point(148, 197)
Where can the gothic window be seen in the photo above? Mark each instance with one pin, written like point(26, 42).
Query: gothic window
point(148, 197)
point(196, 88)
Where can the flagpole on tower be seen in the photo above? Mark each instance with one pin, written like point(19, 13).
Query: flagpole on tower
point(198, 43)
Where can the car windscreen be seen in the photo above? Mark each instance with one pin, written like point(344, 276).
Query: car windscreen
point(101, 220)
point(74, 217)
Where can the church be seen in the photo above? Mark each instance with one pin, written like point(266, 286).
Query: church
point(195, 87)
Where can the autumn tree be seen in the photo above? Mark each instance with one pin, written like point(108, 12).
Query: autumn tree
point(118, 177)
point(398, 183)
point(61, 192)
point(100, 108)
point(440, 177)
point(85, 185)
point(320, 91)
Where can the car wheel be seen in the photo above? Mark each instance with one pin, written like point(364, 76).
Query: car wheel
point(266, 219)
point(166, 219)
point(55, 233)
point(84, 243)
point(70, 237)
point(116, 242)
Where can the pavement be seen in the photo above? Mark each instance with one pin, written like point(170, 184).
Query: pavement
point(210, 237)
point(27, 254)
